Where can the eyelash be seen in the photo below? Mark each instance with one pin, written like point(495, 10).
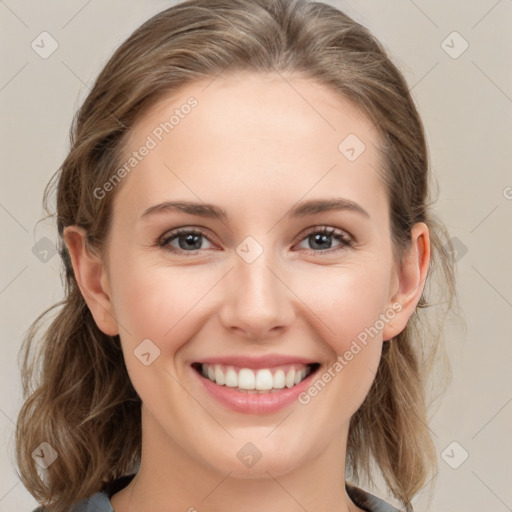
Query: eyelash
point(344, 238)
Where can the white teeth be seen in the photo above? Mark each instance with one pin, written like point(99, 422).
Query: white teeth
point(278, 381)
point(218, 376)
point(290, 378)
point(231, 377)
point(264, 379)
point(299, 376)
point(252, 381)
point(246, 379)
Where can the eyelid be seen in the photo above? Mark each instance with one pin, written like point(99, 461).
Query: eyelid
point(345, 238)
point(175, 233)
point(328, 229)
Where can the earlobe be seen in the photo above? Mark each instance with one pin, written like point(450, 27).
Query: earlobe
point(92, 279)
point(411, 280)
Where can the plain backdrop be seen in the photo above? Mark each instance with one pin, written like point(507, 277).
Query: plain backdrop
point(456, 57)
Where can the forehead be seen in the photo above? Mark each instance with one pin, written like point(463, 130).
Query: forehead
point(269, 137)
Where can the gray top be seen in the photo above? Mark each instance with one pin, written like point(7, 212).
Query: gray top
point(100, 502)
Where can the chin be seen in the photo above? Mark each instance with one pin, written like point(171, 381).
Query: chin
point(255, 459)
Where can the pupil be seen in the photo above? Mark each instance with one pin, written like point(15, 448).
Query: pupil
point(191, 239)
point(322, 239)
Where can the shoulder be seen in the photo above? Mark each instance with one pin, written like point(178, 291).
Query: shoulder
point(98, 502)
point(369, 502)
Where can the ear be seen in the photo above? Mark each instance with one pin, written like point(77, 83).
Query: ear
point(92, 279)
point(411, 274)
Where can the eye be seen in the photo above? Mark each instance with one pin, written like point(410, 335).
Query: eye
point(320, 239)
point(187, 240)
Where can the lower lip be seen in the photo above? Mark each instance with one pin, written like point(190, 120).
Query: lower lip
point(254, 403)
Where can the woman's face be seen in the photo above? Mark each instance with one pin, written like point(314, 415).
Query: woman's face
point(251, 288)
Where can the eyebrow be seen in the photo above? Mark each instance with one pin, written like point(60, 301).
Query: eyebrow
point(302, 209)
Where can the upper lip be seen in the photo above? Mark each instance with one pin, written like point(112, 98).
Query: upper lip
point(256, 362)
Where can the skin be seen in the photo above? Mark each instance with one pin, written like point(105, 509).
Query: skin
point(254, 146)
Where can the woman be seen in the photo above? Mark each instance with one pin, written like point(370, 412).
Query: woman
point(246, 233)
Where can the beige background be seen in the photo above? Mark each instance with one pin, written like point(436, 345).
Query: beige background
point(466, 104)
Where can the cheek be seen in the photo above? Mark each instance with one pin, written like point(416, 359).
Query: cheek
point(158, 303)
point(346, 302)
point(161, 303)
point(348, 305)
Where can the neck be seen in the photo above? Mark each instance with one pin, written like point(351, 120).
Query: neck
point(171, 479)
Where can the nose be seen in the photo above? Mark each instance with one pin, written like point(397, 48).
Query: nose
point(257, 303)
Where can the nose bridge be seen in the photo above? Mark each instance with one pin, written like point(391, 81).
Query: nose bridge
point(258, 301)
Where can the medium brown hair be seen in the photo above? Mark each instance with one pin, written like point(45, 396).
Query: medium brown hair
point(79, 396)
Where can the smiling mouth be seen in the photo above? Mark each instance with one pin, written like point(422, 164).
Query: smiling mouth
point(263, 380)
